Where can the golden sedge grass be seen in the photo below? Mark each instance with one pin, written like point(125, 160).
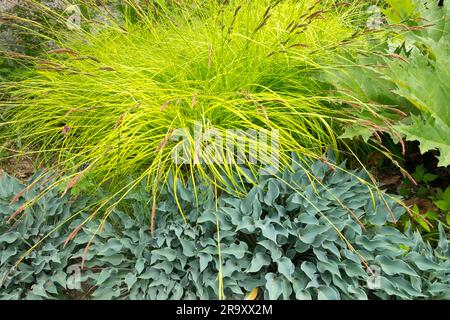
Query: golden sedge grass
point(115, 97)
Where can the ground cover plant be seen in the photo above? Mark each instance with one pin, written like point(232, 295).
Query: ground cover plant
point(271, 240)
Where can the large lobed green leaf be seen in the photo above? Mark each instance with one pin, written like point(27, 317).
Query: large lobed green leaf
point(425, 82)
point(414, 77)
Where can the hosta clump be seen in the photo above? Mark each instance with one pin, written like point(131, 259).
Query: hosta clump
point(123, 260)
point(301, 255)
point(180, 262)
point(282, 237)
point(44, 272)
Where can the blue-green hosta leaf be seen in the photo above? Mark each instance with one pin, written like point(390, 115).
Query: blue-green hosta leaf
point(230, 267)
point(106, 293)
point(268, 229)
point(422, 263)
point(272, 193)
point(393, 235)
point(166, 266)
point(309, 268)
point(150, 273)
point(9, 237)
point(274, 286)
point(204, 259)
point(130, 280)
point(104, 275)
point(112, 246)
point(231, 285)
point(274, 250)
point(299, 282)
point(208, 242)
point(287, 289)
point(330, 267)
point(301, 247)
point(235, 215)
point(259, 260)
point(115, 259)
point(339, 283)
point(306, 218)
point(248, 202)
point(416, 283)
point(320, 254)
point(237, 250)
point(383, 214)
point(370, 244)
point(250, 283)
point(331, 247)
point(38, 290)
point(177, 292)
point(162, 294)
point(406, 287)
point(230, 201)
point(357, 293)
point(285, 267)
point(9, 186)
point(140, 265)
point(441, 290)
point(257, 209)
point(355, 270)
point(211, 249)
point(392, 267)
point(183, 193)
point(7, 253)
point(303, 295)
point(162, 280)
point(179, 262)
point(208, 216)
point(327, 293)
point(14, 295)
point(351, 256)
point(315, 235)
point(82, 238)
point(443, 242)
point(326, 276)
point(188, 247)
point(247, 224)
point(168, 253)
point(294, 201)
point(60, 278)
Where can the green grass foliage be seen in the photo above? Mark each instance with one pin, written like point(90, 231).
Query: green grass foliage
point(110, 103)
